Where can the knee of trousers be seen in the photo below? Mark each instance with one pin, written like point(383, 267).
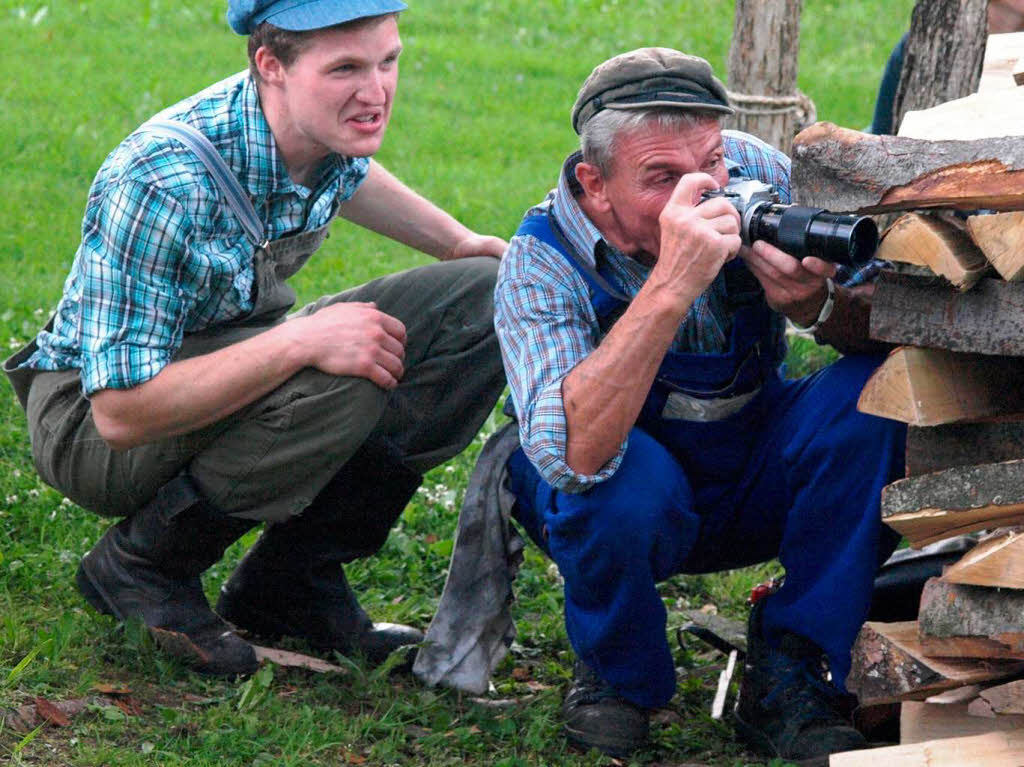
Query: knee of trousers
point(640, 519)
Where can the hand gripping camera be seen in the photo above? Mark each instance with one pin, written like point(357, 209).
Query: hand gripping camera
point(797, 230)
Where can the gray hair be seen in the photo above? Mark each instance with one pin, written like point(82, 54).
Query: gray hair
point(602, 132)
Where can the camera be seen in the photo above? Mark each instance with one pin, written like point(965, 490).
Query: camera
point(799, 231)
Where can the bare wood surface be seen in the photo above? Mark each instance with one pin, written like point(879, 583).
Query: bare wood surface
point(997, 562)
point(1003, 53)
point(994, 749)
point(937, 721)
point(937, 244)
point(845, 170)
point(888, 665)
point(955, 501)
point(928, 387)
point(957, 620)
point(934, 448)
point(762, 66)
point(1005, 698)
point(943, 55)
point(978, 116)
point(1000, 236)
point(923, 311)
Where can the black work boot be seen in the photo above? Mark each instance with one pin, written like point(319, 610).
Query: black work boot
point(147, 566)
point(291, 582)
point(595, 716)
point(787, 707)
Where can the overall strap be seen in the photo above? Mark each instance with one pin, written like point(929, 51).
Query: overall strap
point(229, 185)
point(609, 302)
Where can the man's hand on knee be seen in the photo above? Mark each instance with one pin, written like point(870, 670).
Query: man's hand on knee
point(354, 339)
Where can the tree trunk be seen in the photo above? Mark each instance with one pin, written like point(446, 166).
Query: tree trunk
point(762, 71)
point(944, 54)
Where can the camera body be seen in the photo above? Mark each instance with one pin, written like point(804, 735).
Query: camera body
point(799, 231)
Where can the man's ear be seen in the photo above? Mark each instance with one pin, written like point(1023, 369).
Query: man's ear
point(268, 65)
point(593, 184)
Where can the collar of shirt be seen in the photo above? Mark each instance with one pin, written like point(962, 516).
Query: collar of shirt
point(577, 226)
point(264, 173)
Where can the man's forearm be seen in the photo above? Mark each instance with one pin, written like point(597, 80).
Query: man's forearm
point(387, 206)
point(603, 394)
point(196, 392)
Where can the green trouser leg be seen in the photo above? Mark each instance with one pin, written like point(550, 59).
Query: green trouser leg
point(270, 459)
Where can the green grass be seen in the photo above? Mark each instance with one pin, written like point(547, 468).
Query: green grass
point(481, 126)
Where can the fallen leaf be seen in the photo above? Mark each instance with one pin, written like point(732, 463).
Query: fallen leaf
point(111, 689)
point(130, 706)
point(521, 673)
point(51, 713)
point(296, 660)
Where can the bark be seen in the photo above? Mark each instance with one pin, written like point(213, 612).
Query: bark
point(922, 311)
point(844, 170)
point(763, 66)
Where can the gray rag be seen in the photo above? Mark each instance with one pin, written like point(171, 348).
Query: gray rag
point(473, 628)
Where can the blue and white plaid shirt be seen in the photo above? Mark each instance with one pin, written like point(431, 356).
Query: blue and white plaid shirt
point(546, 324)
point(162, 254)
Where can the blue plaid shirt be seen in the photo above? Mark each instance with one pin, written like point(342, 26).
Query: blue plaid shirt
point(546, 324)
point(162, 254)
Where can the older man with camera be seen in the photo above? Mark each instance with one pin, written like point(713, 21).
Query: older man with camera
point(644, 344)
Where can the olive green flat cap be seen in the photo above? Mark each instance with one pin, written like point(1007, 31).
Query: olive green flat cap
point(650, 77)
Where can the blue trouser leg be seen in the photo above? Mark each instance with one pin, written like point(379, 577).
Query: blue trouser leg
point(809, 493)
point(612, 544)
point(832, 539)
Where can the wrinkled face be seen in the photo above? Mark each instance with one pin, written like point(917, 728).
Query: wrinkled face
point(337, 95)
point(648, 164)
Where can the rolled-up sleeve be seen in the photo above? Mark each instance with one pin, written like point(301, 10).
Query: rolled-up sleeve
point(546, 326)
point(135, 285)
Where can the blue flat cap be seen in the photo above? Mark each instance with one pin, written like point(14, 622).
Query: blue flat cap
point(296, 15)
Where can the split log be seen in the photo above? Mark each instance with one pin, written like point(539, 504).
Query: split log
point(923, 311)
point(928, 387)
point(934, 448)
point(931, 242)
point(972, 118)
point(845, 170)
point(971, 621)
point(994, 749)
point(1004, 53)
point(945, 50)
point(1000, 236)
point(1005, 698)
point(997, 562)
point(955, 501)
point(889, 666)
point(937, 721)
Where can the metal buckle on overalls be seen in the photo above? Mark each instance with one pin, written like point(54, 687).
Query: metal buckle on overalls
point(683, 407)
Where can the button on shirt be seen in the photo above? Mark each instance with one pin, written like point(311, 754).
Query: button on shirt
point(546, 324)
point(162, 254)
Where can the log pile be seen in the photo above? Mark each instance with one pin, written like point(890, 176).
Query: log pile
point(953, 304)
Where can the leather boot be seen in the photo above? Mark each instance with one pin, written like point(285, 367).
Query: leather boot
point(147, 566)
point(291, 582)
point(787, 707)
point(594, 716)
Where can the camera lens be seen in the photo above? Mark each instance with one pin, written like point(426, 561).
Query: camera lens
point(802, 231)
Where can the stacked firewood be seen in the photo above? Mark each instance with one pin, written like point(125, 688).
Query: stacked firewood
point(954, 305)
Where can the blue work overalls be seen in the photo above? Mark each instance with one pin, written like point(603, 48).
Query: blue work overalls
point(796, 473)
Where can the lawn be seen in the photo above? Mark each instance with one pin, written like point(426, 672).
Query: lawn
point(481, 126)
